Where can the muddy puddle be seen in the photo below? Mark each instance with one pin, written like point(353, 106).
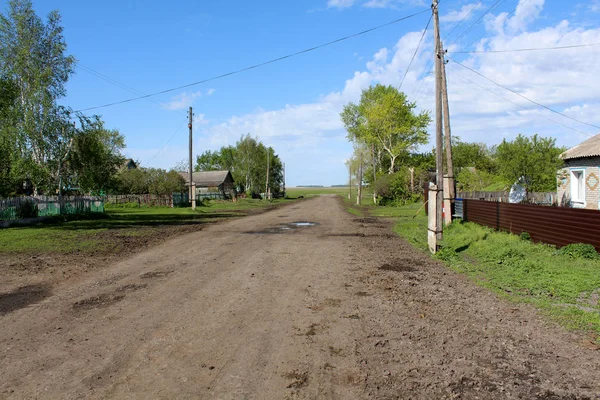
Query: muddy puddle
point(283, 228)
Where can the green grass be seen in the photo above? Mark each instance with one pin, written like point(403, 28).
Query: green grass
point(561, 286)
point(102, 232)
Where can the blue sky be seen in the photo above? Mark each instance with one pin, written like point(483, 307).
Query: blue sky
point(293, 105)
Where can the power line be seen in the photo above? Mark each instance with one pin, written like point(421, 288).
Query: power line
point(416, 51)
point(462, 20)
point(526, 98)
point(113, 81)
point(503, 20)
point(477, 21)
point(167, 142)
point(260, 64)
point(518, 105)
point(530, 49)
point(430, 62)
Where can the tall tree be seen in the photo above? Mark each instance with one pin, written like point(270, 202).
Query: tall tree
point(94, 155)
point(384, 117)
point(33, 56)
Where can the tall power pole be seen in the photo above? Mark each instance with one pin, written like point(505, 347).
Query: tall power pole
point(360, 178)
point(267, 184)
point(192, 190)
point(439, 145)
point(374, 174)
point(450, 174)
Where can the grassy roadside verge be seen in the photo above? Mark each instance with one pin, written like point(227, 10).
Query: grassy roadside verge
point(120, 227)
point(564, 287)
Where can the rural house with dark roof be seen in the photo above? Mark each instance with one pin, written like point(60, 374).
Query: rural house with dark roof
point(212, 182)
point(579, 179)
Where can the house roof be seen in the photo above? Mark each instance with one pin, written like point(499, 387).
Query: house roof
point(207, 178)
point(589, 148)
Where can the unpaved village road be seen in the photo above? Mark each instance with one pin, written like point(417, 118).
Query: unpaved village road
point(246, 310)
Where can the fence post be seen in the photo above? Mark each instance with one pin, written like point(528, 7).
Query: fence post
point(465, 214)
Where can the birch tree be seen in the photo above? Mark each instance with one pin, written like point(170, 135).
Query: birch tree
point(386, 119)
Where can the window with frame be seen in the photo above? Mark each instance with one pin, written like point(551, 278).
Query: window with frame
point(578, 186)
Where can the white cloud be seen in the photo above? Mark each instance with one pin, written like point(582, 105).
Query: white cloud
point(339, 3)
point(182, 101)
point(210, 91)
point(458, 15)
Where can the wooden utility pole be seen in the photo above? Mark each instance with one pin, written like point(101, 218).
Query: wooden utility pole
point(350, 180)
point(450, 171)
point(283, 179)
point(360, 178)
point(267, 185)
point(374, 174)
point(192, 186)
point(439, 145)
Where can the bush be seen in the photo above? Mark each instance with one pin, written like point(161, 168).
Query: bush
point(525, 236)
point(579, 250)
point(27, 209)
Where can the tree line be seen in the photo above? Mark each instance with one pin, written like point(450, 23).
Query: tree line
point(47, 148)
point(248, 162)
point(386, 132)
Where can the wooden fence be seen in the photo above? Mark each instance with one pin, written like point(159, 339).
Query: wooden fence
point(553, 225)
point(151, 200)
point(46, 206)
point(547, 198)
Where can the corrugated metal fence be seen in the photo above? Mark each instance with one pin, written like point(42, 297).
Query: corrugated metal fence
point(50, 205)
point(553, 225)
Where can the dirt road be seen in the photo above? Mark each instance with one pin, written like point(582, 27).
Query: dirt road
point(259, 308)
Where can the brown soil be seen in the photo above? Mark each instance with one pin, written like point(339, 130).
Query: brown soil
point(305, 313)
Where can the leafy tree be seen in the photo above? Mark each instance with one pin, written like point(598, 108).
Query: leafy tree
point(8, 97)
point(33, 56)
point(385, 118)
point(247, 161)
point(535, 158)
point(150, 180)
point(132, 181)
point(95, 155)
point(162, 182)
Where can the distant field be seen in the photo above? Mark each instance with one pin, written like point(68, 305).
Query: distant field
point(313, 191)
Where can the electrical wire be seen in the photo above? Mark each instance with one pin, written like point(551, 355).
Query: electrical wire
point(416, 51)
point(167, 142)
point(478, 20)
point(530, 49)
point(262, 64)
point(524, 97)
point(503, 20)
point(462, 20)
point(113, 82)
point(519, 105)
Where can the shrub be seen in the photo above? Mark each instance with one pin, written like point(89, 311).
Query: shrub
point(27, 209)
point(525, 236)
point(579, 250)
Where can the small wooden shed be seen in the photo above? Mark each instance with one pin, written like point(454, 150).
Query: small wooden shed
point(212, 182)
